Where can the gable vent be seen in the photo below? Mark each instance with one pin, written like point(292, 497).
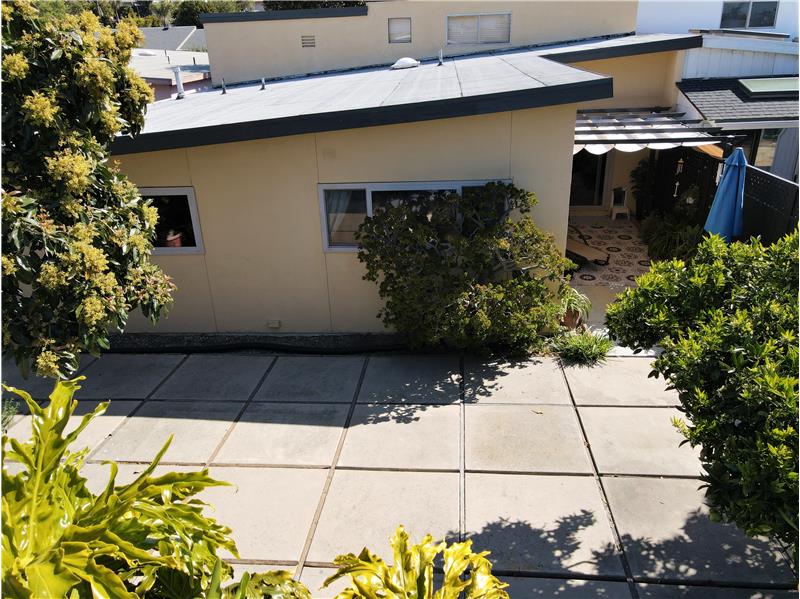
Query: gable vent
point(308, 41)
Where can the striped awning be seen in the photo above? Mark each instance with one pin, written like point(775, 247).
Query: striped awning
point(631, 130)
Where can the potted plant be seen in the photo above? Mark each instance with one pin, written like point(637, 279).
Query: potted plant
point(174, 239)
point(575, 306)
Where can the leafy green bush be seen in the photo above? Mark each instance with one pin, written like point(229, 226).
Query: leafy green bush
point(76, 234)
point(10, 409)
point(582, 347)
point(411, 574)
point(728, 324)
point(461, 271)
point(149, 538)
point(675, 233)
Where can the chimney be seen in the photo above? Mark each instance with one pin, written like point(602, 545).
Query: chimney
point(178, 82)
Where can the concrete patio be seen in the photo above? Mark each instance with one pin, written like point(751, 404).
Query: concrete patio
point(572, 477)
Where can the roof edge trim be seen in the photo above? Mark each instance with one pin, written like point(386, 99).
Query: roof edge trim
point(284, 15)
point(537, 97)
point(578, 55)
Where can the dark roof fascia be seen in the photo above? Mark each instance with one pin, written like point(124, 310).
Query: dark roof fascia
point(284, 15)
point(773, 35)
point(539, 97)
point(622, 50)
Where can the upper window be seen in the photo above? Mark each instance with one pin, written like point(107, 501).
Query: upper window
point(479, 29)
point(345, 206)
point(178, 228)
point(738, 15)
point(400, 30)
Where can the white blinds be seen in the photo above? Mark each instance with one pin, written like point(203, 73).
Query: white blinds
point(400, 30)
point(479, 29)
point(462, 30)
point(494, 29)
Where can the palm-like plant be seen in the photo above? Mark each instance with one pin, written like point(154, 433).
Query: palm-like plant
point(163, 10)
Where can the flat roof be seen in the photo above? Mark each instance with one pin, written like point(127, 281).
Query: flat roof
point(282, 15)
point(155, 66)
point(461, 86)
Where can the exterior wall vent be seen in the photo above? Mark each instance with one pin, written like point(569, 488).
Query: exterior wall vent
point(308, 41)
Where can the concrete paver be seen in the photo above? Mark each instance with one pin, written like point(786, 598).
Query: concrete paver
point(314, 578)
point(565, 589)
point(655, 591)
point(197, 431)
point(312, 378)
point(363, 508)
point(220, 377)
point(38, 387)
point(538, 380)
point(667, 535)
point(524, 438)
point(428, 440)
point(126, 376)
point(541, 524)
point(619, 381)
point(285, 433)
point(639, 441)
point(269, 509)
point(420, 379)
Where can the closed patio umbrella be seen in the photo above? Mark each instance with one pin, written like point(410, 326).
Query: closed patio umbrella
point(725, 217)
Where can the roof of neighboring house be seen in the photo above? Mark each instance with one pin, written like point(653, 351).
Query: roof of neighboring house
point(171, 38)
point(462, 86)
point(724, 100)
point(282, 15)
point(156, 66)
point(195, 42)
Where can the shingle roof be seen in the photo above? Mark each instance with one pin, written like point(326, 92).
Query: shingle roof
point(196, 42)
point(723, 100)
point(466, 85)
point(172, 38)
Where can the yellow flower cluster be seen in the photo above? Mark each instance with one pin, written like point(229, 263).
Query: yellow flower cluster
point(11, 203)
point(127, 36)
point(94, 74)
point(92, 310)
point(71, 168)
point(40, 108)
point(47, 364)
point(15, 66)
point(110, 120)
point(9, 268)
point(50, 277)
point(139, 91)
point(150, 216)
point(106, 284)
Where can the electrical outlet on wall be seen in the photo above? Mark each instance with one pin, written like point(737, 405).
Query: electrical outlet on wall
point(273, 324)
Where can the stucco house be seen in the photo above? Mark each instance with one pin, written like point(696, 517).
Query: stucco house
point(261, 183)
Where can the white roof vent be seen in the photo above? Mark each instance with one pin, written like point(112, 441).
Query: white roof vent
point(405, 63)
point(146, 53)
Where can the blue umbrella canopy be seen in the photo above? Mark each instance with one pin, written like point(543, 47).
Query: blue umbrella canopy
point(725, 218)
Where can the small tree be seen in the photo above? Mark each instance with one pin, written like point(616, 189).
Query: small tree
point(187, 12)
point(76, 234)
point(460, 270)
point(162, 9)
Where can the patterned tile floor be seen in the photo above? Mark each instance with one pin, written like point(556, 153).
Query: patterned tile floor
point(620, 240)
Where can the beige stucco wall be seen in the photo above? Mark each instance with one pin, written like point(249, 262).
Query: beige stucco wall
point(246, 51)
point(260, 218)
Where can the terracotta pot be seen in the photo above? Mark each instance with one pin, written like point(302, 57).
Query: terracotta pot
point(174, 240)
point(571, 319)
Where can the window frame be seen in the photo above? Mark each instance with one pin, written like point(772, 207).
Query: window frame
point(457, 184)
point(479, 15)
point(198, 247)
point(389, 30)
point(749, 12)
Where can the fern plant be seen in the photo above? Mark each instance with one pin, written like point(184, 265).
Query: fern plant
point(466, 574)
point(149, 538)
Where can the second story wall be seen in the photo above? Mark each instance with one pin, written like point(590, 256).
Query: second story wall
point(246, 50)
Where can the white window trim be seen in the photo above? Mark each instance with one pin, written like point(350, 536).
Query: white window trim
point(410, 30)
point(458, 185)
point(749, 10)
point(479, 15)
point(199, 248)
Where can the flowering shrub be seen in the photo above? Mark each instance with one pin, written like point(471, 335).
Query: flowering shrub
point(76, 235)
point(460, 270)
point(727, 321)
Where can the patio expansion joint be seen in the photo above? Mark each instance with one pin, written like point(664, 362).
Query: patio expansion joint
point(242, 410)
point(629, 578)
point(462, 453)
point(312, 529)
point(133, 412)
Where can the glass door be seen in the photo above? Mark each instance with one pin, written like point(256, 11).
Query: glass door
point(588, 176)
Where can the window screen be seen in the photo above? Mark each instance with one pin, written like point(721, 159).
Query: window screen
point(479, 29)
point(345, 210)
point(734, 15)
point(400, 30)
point(174, 228)
point(762, 14)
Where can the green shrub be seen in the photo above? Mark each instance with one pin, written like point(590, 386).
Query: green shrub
point(461, 271)
point(411, 574)
point(675, 233)
point(149, 538)
point(582, 347)
point(728, 324)
point(10, 409)
point(76, 234)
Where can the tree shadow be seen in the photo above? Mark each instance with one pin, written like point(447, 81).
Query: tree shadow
point(538, 562)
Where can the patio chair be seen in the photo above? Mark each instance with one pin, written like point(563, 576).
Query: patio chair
point(619, 203)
